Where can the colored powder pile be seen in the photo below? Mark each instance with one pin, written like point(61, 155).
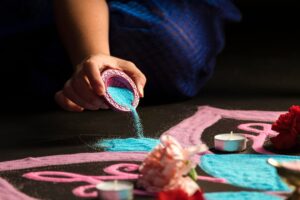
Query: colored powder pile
point(240, 195)
point(125, 97)
point(128, 144)
point(255, 171)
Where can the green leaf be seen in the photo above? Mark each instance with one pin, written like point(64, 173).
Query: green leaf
point(193, 174)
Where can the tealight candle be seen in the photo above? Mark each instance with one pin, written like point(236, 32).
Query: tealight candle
point(231, 142)
point(115, 190)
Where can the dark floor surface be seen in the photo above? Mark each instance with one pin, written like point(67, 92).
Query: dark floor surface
point(56, 132)
point(59, 132)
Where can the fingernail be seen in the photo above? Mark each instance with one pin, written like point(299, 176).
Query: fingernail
point(99, 89)
point(79, 109)
point(100, 92)
point(141, 89)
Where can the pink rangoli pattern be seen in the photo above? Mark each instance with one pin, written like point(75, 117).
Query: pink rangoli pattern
point(188, 132)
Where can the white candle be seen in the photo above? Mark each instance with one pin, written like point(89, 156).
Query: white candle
point(289, 165)
point(230, 142)
point(115, 190)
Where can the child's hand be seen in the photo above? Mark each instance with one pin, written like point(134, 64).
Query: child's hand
point(84, 90)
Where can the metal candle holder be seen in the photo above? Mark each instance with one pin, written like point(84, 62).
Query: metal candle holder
point(288, 175)
point(230, 142)
point(115, 190)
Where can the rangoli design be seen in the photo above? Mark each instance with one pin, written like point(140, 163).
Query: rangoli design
point(187, 132)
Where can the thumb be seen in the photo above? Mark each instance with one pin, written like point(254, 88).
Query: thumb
point(137, 76)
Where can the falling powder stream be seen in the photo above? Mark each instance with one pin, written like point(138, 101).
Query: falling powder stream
point(125, 97)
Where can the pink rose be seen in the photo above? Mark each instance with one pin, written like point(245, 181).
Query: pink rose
point(165, 167)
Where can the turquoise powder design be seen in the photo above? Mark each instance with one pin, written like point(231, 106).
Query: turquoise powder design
point(239, 196)
point(246, 170)
point(125, 97)
point(128, 144)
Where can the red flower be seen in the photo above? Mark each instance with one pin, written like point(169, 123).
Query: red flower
point(179, 194)
point(288, 127)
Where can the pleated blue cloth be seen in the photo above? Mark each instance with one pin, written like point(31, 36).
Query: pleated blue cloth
point(174, 42)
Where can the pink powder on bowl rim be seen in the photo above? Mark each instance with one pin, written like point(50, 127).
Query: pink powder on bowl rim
point(117, 78)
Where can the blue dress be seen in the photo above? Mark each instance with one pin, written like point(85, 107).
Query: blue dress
point(173, 42)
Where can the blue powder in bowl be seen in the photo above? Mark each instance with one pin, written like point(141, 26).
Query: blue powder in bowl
point(125, 97)
point(122, 96)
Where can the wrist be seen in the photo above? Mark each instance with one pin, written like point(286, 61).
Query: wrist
point(80, 63)
point(86, 54)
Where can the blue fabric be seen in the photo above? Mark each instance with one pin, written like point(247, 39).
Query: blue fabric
point(239, 196)
point(246, 170)
point(175, 43)
point(127, 145)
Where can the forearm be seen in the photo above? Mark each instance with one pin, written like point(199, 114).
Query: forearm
point(83, 25)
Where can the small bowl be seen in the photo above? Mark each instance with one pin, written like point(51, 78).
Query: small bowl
point(230, 143)
point(118, 78)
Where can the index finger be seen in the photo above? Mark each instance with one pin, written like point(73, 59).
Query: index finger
point(93, 72)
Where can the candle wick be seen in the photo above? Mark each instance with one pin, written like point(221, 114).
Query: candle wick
point(231, 135)
point(115, 184)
